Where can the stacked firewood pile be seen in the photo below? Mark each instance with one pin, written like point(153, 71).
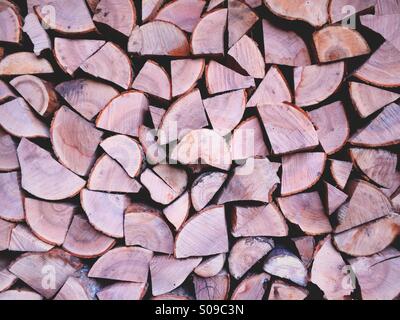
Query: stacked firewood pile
point(193, 149)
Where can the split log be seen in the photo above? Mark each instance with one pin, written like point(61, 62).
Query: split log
point(205, 187)
point(204, 234)
point(184, 75)
point(70, 54)
point(159, 190)
point(183, 13)
point(289, 128)
point(333, 128)
point(313, 84)
point(253, 3)
point(178, 211)
point(84, 241)
point(284, 47)
point(127, 152)
point(329, 271)
point(213, 288)
point(124, 114)
point(338, 12)
point(145, 227)
point(226, 110)
point(123, 291)
point(21, 63)
point(22, 239)
point(31, 267)
point(154, 80)
point(150, 9)
point(155, 153)
point(37, 34)
point(391, 192)
point(258, 221)
point(246, 252)
point(340, 171)
point(314, 12)
point(211, 266)
point(335, 43)
point(305, 246)
point(156, 115)
point(387, 7)
point(5, 92)
point(307, 211)
point(208, 35)
point(118, 15)
point(284, 264)
point(158, 38)
point(248, 55)
point(382, 131)
point(378, 275)
point(176, 178)
point(74, 289)
point(20, 295)
point(334, 198)
point(7, 280)
point(273, 89)
point(49, 221)
point(214, 4)
point(382, 68)
point(185, 114)
point(86, 96)
point(5, 235)
point(12, 197)
point(281, 290)
point(168, 273)
point(251, 288)
point(105, 211)
point(43, 176)
point(220, 79)
point(396, 203)
point(110, 63)
point(8, 152)
point(301, 171)
point(370, 238)
point(11, 25)
point(240, 20)
point(123, 264)
point(255, 180)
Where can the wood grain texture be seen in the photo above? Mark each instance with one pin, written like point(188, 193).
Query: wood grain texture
point(20, 63)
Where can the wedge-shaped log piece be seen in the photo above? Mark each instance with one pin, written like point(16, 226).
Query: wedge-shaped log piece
point(340, 171)
point(370, 238)
point(150, 8)
point(301, 171)
point(125, 291)
point(333, 128)
point(382, 68)
point(214, 4)
point(335, 43)
point(212, 288)
point(7, 279)
point(175, 177)
point(145, 227)
point(126, 151)
point(313, 84)
point(155, 153)
point(220, 79)
point(289, 128)
point(204, 234)
point(253, 3)
point(329, 271)
point(226, 110)
point(156, 115)
point(383, 7)
point(10, 24)
point(377, 164)
point(159, 190)
point(30, 267)
point(185, 114)
point(391, 192)
point(337, 8)
point(154, 80)
point(38, 93)
point(178, 211)
point(315, 12)
point(307, 211)
point(12, 197)
point(72, 17)
point(110, 63)
point(378, 275)
point(386, 25)
point(273, 89)
point(74, 140)
point(284, 47)
point(8, 152)
point(24, 63)
point(258, 221)
point(168, 273)
point(210, 267)
point(205, 187)
point(124, 114)
point(49, 221)
point(281, 290)
point(334, 198)
point(43, 176)
point(208, 35)
point(86, 96)
point(158, 38)
point(22, 239)
point(118, 15)
point(84, 241)
point(367, 203)
point(17, 118)
point(251, 288)
point(70, 54)
point(37, 34)
point(74, 289)
point(246, 252)
point(203, 146)
point(255, 180)
point(5, 235)
point(105, 211)
point(382, 131)
point(284, 264)
point(305, 246)
point(183, 13)
point(5, 92)
point(20, 294)
point(240, 20)
point(184, 74)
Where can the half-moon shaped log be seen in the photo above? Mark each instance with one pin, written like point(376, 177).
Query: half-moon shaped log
point(333, 198)
point(178, 211)
point(338, 12)
point(211, 266)
point(184, 75)
point(281, 290)
point(8, 152)
point(240, 20)
point(212, 288)
point(340, 172)
point(37, 34)
point(205, 187)
point(22, 240)
point(251, 288)
point(12, 197)
point(20, 63)
point(123, 291)
point(386, 25)
point(10, 25)
point(150, 9)
point(5, 235)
